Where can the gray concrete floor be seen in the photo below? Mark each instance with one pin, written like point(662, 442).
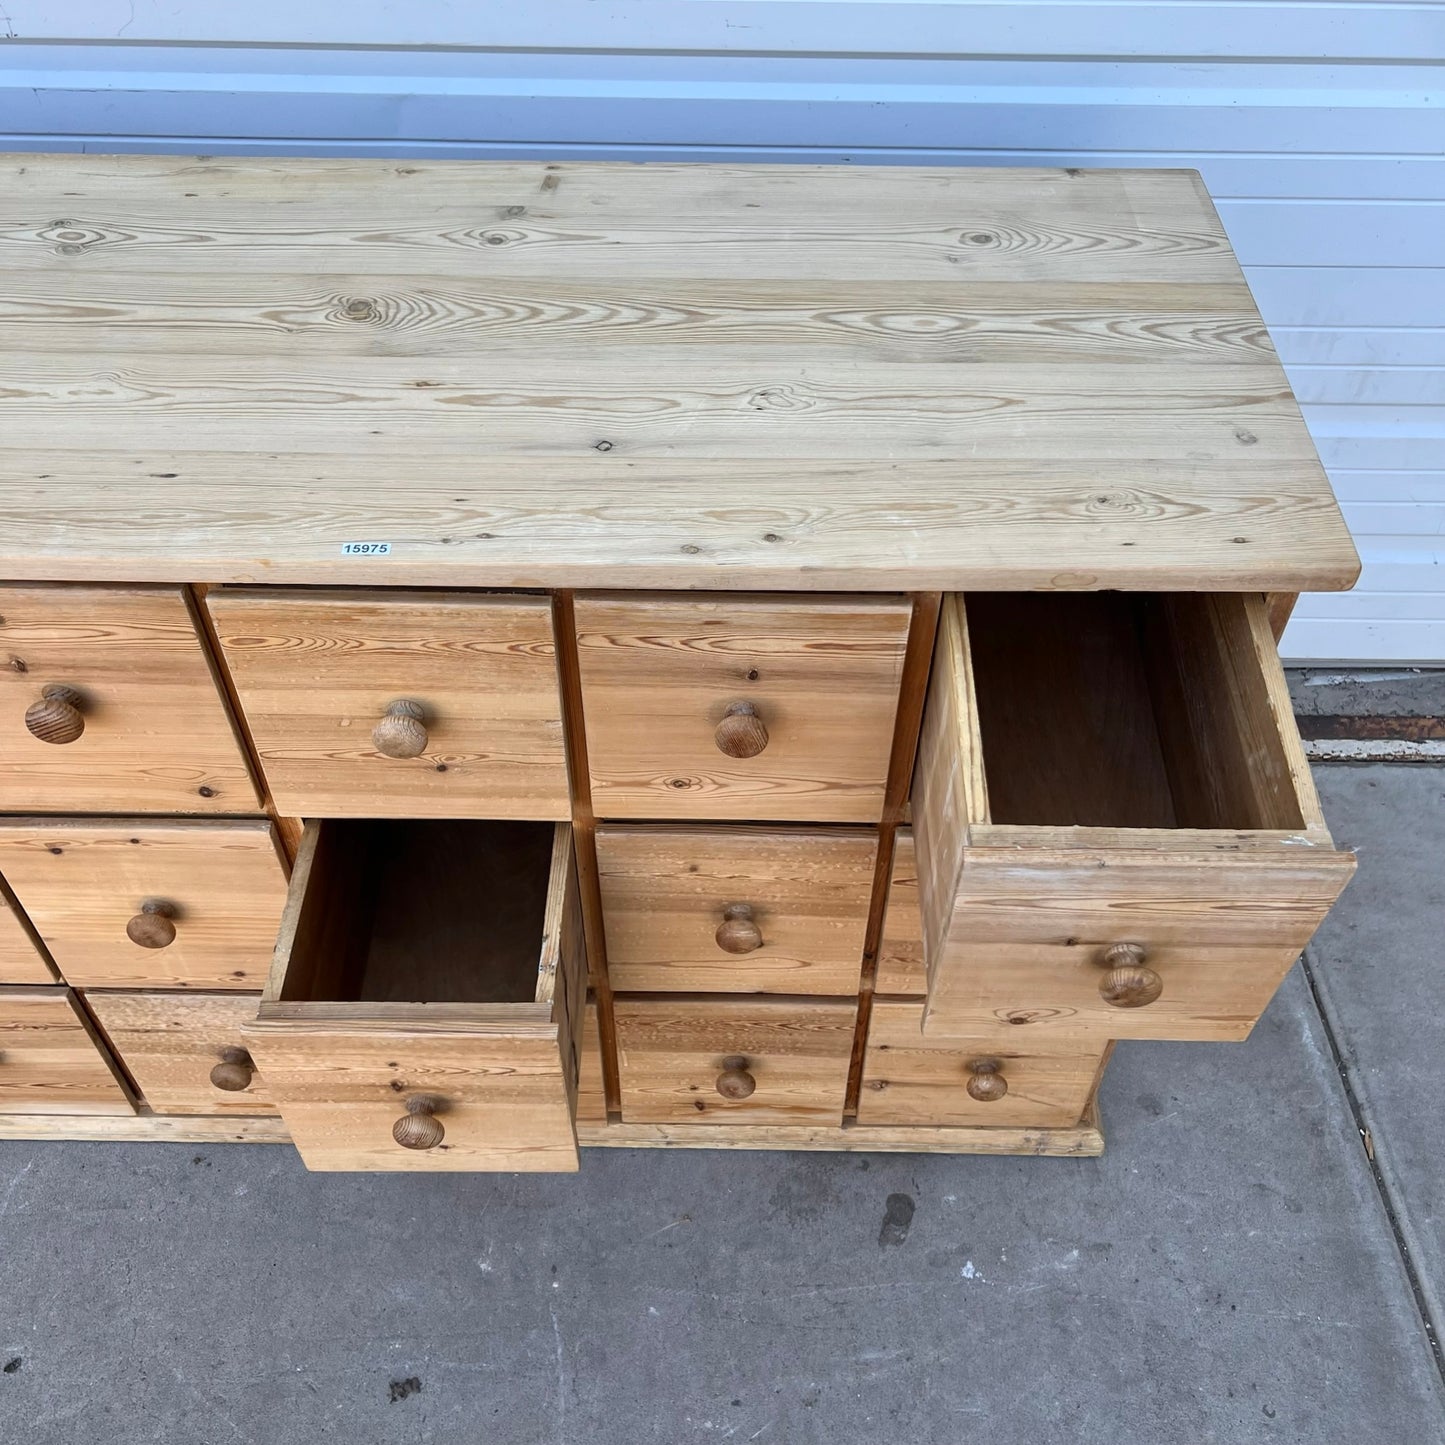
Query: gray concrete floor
point(1234, 1269)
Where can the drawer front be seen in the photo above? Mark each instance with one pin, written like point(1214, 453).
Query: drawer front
point(140, 904)
point(900, 950)
point(1124, 945)
point(377, 705)
point(495, 1101)
point(733, 707)
point(735, 910)
point(1117, 833)
point(50, 1059)
point(21, 958)
point(185, 1052)
point(722, 1062)
point(909, 1080)
point(134, 721)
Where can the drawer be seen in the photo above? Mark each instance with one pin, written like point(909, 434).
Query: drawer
point(723, 1061)
point(185, 1052)
point(1117, 832)
point(740, 707)
point(908, 1079)
point(22, 959)
point(108, 704)
point(425, 1008)
point(400, 704)
point(138, 903)
point(900, 949)
point(735, 910)
point(50, 1059)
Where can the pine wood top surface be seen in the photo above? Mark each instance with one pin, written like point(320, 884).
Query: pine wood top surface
point(660, 376)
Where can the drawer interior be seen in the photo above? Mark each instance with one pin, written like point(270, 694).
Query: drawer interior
point(425, 911)
point(1130, 710)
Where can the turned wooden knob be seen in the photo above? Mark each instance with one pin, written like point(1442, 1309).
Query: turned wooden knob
point(738, 933)
point(735, 1082)
point(152, 927)
point(1128, 983)
point(419, 1128)
point(56, 718)
point(986, 1082)
point(234, 1072)
point(741, 733)
point(400, 733)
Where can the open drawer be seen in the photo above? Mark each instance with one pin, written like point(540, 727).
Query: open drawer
point(1117, 832)
point(424, 1010)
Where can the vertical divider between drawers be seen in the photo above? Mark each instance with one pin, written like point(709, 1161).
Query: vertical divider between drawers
point(288, 830)
point(912, 692)
point(584, 835)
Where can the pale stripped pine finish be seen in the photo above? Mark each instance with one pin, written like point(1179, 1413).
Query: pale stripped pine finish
point(157, 736)
point(571, 375)
point(660, 673)
point(910, 1080)
point(503, 1076)
point(901, 968)
point(672, 1051)
point(83, 880)
point(316, 672)
point(665, 889)
point(22, 960)
point(50, 1060)
point(1017, 918)
point(170, 1042)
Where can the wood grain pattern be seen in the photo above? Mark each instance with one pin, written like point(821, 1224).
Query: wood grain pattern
point(50, 1059)
point(82, 881)
point(168, 1043)
point(1018, 911)
point(901, 968)
point(591, 1090)
point(665, 889)
point(658, 674)
point(157, 736)
point(22, 956)
point(822, 377)
point(316, 673)
point(671, 1051)
point(340, 1057)
point(910, 1080)
point(144, 1127)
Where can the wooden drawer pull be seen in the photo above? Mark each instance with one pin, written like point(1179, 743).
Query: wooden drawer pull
point(401, 734)
point(986, 1082)
point(419, 1128)
point(738, 932)
point(1128, 982)
point(153, 926)
point(57, 717)
point(741, 733)
point(235, 1071)
point(735, 1082)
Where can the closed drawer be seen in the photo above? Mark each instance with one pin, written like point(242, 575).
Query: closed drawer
point(50, 1059)
point(908, 1079)
point(185, 1052)
point(421, 704)
point(22, 959)
point(738, 707)
point(721, 1061)
point(108, 705)
point(735, 910)
point(425, 1008)
point(136, 903)
point(1118, 835)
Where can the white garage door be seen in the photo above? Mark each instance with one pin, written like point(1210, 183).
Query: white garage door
point(1320, 128)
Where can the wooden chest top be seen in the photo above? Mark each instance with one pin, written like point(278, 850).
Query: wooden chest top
point(650, 376)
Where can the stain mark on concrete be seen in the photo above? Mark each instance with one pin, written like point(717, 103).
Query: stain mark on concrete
point(400, 1389)
point(13, 1365)
point(897, 1219)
